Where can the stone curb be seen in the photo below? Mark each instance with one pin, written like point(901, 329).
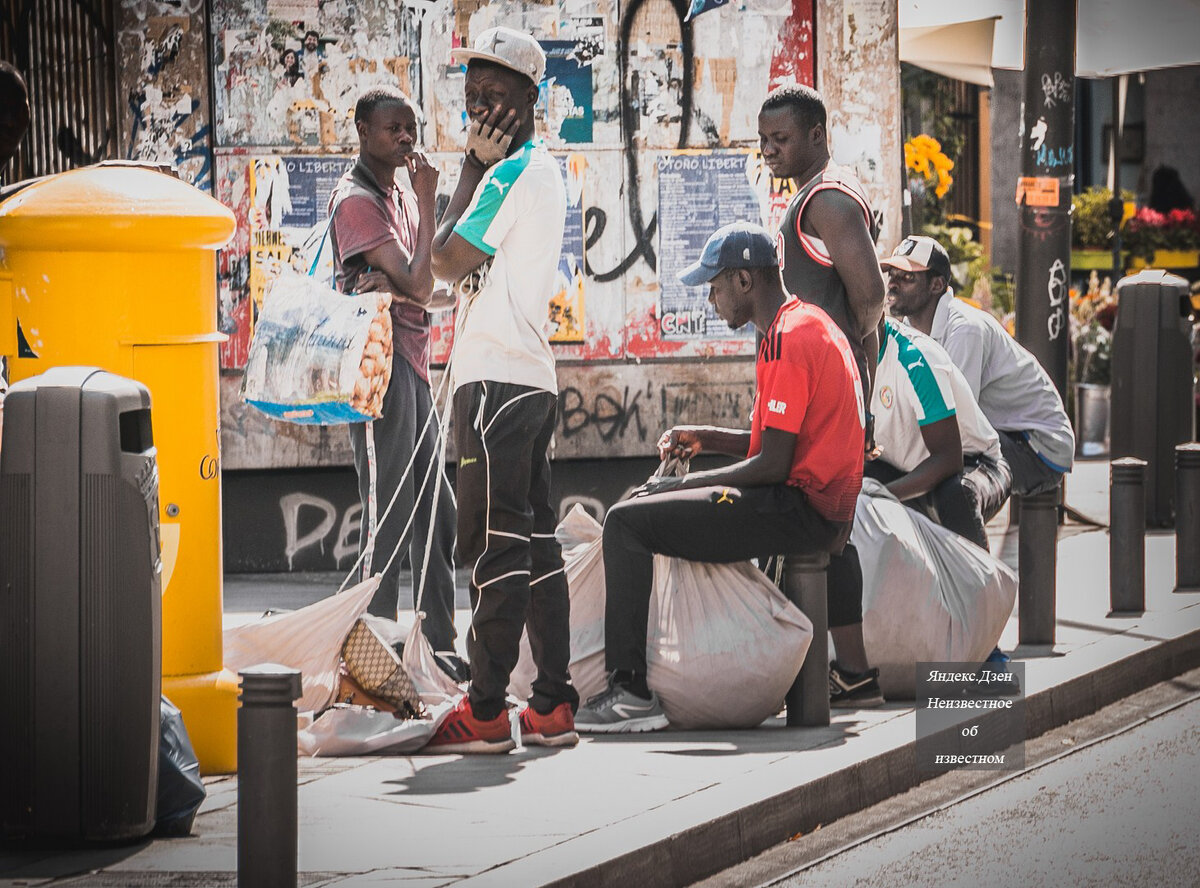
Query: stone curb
point(1113, 668)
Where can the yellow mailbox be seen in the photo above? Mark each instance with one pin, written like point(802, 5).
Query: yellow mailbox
point(114, 266)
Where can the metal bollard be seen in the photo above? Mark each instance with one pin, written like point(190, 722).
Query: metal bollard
point(1037, 564)
point(804, 584)
point(1187, 517)
point(266, 748)
point(1127, 536)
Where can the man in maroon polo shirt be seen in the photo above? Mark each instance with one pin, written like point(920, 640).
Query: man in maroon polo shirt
point(382, 236)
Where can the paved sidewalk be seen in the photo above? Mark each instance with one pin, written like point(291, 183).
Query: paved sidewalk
point(659, 809)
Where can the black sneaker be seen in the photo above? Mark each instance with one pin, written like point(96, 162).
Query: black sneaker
point(854, 690)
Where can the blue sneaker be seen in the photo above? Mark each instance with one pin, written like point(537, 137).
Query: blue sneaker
point(997, 663)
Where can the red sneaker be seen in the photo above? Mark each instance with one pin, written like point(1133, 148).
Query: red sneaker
point(557, 728)
point(463, 732)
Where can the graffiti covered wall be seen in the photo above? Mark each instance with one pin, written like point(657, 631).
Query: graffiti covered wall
point(163, 94)
point(651, 106)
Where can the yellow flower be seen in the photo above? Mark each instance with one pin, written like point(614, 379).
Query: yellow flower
point(923, 155)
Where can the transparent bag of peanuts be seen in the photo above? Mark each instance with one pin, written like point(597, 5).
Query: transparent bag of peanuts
point(319, 356)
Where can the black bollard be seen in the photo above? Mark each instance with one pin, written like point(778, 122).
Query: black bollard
point(804, 584)
point(266, 847)
point(1127, 536)
point(1037, 565)
point(1187, 517)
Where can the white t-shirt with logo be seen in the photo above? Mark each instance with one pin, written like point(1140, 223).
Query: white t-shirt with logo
point(917, 384)
point(516, 216)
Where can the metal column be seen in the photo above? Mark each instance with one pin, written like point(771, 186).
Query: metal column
point(1047, 180)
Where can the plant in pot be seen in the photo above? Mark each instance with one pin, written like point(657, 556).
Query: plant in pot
point(929, 178)
point(1167, 240)
point(1092, 228)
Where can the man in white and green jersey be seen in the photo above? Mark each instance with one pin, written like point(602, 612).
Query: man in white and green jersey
point(500, 238)
point(937, 451)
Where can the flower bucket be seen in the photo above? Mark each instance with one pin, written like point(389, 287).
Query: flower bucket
point(1092, 260)
point(1176, 258)
point(1092, 419)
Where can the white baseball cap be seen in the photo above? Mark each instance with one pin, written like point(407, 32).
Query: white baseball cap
point(515, 50)
point(920, 253)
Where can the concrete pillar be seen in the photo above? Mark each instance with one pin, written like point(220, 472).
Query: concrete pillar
point(858, 73)
point(804, 583)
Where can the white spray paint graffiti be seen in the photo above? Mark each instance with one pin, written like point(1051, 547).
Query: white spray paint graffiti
point(346, 542)
point(1038, 134)
point(1056, 288)
point(1055, 89)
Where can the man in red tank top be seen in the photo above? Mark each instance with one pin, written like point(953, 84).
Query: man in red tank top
point(826, 245)
point(827, 238)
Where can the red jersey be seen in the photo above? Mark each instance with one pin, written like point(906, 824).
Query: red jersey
point(807, 383)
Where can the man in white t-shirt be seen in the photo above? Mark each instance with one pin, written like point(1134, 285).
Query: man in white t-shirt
point(500, 238)
point(937, 451)
point(1013, 391)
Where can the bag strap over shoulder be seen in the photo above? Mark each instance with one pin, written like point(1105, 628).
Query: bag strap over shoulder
point(342, 194)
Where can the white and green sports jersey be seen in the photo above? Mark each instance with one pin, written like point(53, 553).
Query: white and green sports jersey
point(916, 384)
point(516, 216)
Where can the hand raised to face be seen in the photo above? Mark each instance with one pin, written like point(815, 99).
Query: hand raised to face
point(489, 139)
point(422, 174)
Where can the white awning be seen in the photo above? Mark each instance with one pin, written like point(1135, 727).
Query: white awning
point(1112, 36)
point(962, 50)
point(1122, 36)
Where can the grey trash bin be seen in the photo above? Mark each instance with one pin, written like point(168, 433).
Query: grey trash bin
point(80, 610)
point(1152, 387)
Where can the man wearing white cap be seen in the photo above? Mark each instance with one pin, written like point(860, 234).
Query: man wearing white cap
point(500, 238)
point(1013, 390)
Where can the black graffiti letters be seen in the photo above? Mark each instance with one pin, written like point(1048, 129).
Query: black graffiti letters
point(608, 417)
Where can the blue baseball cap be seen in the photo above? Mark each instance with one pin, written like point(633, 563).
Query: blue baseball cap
point(737, 245)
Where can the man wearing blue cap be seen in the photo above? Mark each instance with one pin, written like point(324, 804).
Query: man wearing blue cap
point(793, 490)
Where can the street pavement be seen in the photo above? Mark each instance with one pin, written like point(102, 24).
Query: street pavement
point(667, 808)
point(1120, 812)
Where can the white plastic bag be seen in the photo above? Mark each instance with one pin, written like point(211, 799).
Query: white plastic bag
point(359, 730)
point(928, 594)
point(309, 639)
point(579, 535)
point(317, 355)
point(723, 644)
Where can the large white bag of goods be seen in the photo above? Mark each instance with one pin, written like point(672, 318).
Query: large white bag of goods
point(929, 595)
point(317, 355)
point(309, 639)
point(723, 644)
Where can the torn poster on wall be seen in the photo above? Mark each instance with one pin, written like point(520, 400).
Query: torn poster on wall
point(565, 96)
point(289, 199)
point(698, 192)
point(165, 115)
point(567, 306)
point(282, 80)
